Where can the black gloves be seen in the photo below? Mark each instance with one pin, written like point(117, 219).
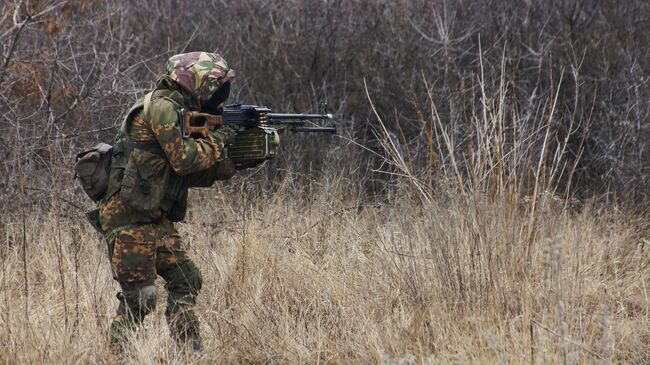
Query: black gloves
point(224, 135)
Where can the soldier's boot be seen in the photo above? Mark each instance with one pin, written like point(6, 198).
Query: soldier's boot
point(183, 285)
point(135, 303)
point(184, 328)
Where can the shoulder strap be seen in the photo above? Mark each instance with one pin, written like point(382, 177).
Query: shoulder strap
point(147, 103)
point(135, 108)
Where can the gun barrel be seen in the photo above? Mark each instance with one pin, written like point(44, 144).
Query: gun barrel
point(289, 116)
point(315, 129)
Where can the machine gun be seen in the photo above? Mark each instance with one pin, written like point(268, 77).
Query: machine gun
point(256, 139)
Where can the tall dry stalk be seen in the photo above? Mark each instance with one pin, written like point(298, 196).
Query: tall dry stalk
point(61, 270)
point(24, 264)
point(5, 246)
point(76, 248)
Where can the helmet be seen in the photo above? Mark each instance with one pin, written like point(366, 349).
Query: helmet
point(200, 74)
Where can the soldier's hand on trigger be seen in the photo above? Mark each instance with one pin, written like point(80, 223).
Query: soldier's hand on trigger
point(224, 135)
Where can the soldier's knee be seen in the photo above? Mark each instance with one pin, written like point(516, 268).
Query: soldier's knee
point(142, 299)
point(148, 296)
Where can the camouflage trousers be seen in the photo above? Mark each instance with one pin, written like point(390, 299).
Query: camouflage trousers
point(138, 255)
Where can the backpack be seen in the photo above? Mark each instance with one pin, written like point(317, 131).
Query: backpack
point(92, 167)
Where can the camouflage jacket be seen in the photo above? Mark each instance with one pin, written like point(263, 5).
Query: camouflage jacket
point(153, 165)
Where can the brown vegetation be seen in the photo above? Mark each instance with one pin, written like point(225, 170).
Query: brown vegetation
point(468, 211)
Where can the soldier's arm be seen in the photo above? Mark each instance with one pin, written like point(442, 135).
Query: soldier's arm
point(185, 155)
point(223, 170)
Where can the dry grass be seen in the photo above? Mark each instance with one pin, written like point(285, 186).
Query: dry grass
point(478, 261)
point(330, 280)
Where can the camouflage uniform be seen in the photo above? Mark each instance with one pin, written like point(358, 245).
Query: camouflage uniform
point(153, 166)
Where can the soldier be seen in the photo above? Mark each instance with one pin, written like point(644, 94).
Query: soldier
point(153, 166)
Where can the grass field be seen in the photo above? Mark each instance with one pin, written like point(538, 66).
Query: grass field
point(463, 279)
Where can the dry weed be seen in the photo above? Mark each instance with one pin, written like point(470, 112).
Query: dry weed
point(298, 282)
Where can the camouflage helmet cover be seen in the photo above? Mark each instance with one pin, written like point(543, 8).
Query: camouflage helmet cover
point(199, 73)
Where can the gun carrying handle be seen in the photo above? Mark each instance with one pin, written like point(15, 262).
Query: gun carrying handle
point(197, 124)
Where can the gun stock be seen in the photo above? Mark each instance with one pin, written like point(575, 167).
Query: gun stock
point(196, 124)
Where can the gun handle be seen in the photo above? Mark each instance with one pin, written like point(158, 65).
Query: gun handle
point(197, 124)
